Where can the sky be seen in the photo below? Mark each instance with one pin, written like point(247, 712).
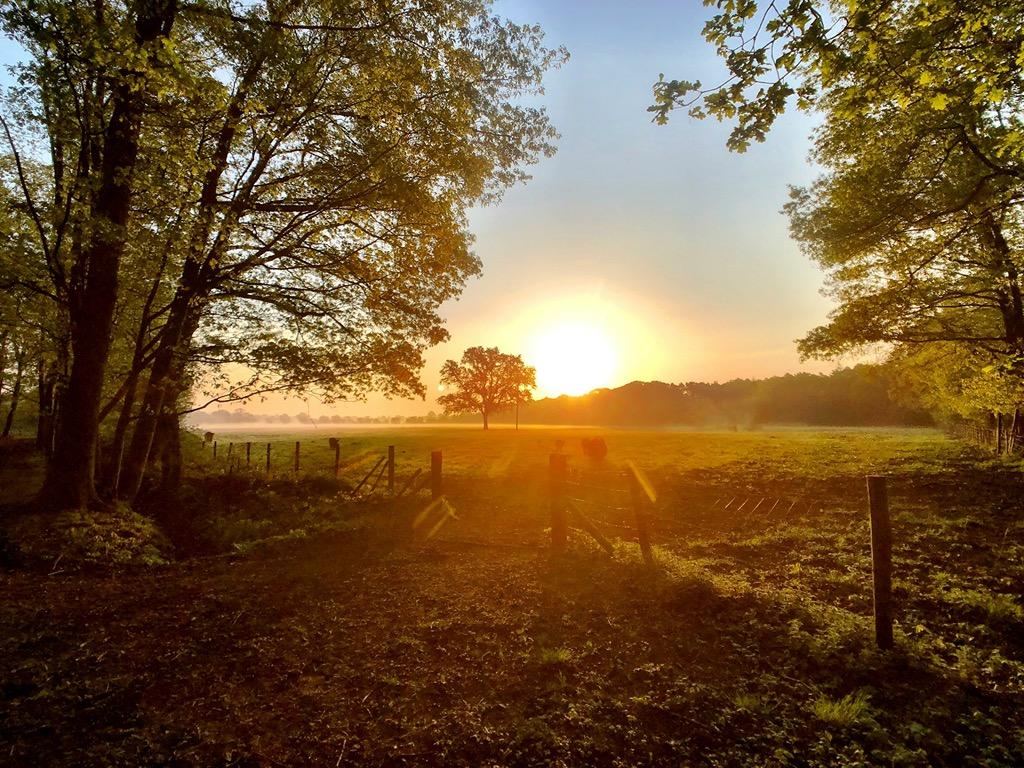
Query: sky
point(669, 243)
point(637, 252)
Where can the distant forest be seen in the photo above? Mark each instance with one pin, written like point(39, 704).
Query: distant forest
point(858, 396)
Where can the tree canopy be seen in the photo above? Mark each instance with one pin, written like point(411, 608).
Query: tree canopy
point(916, 219)
point(849, 57)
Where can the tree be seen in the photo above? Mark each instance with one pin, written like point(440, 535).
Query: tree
point(324, 269)
point(850, 57)
point(954, 382)
point(486, 381)
point(94, 108)
point(917, 218)
point(273, 188)
point(918, 236)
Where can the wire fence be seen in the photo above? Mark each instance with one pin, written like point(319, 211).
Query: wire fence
point(1001, 439)
point(358, 474)
point(603, 502)
point(610, 505)
point(613, 506)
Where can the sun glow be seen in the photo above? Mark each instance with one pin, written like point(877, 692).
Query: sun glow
point(584, 337)
point(573, 358)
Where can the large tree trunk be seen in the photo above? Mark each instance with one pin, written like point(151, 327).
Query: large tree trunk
point(15, 395)
point(69, 478)
point(3, 362)
point(70, 473)
point(169, 439)
point(485, 419)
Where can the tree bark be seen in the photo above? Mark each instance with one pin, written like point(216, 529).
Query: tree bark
point(113, 472)
point(45, 422)
point(15, 395)
point(70, 473)
point(1011, 439)
point(56, 382)
point(170, 451)
point(1011, 304)
point(162, 388)
point(3, 362)
point(41, 396)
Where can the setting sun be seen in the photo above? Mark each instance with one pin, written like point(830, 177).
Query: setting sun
point(573, 358)
point(584, 338)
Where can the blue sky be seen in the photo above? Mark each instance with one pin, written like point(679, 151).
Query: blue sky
point(662, 221)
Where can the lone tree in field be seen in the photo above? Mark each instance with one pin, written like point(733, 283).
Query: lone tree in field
point(486, 381)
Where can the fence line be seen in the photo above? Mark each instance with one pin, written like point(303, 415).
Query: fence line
point(1000, 439)
point(566, 509)
point(646, 524)
point(643, 498)
point(286, 459)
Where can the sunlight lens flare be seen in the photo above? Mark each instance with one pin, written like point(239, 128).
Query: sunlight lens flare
point(572, 359)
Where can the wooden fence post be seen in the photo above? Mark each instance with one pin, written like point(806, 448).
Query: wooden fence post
point(881, 560)
point(231, 447)
point(435, 474)
point(296, 458)
point(268, 459)
point(248, 454)
point(391, 470)
point(558, 471)
point(643, 534)
point(215, 449)
point(337, 458)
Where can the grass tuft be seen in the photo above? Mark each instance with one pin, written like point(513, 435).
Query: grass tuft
point(844, 712)
point(555, 656)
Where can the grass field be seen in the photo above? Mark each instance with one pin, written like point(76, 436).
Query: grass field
point(327, 631)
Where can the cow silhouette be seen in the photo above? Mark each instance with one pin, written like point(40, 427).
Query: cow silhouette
point(594, 448)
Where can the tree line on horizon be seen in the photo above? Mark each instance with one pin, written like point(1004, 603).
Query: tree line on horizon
point(862, 395)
